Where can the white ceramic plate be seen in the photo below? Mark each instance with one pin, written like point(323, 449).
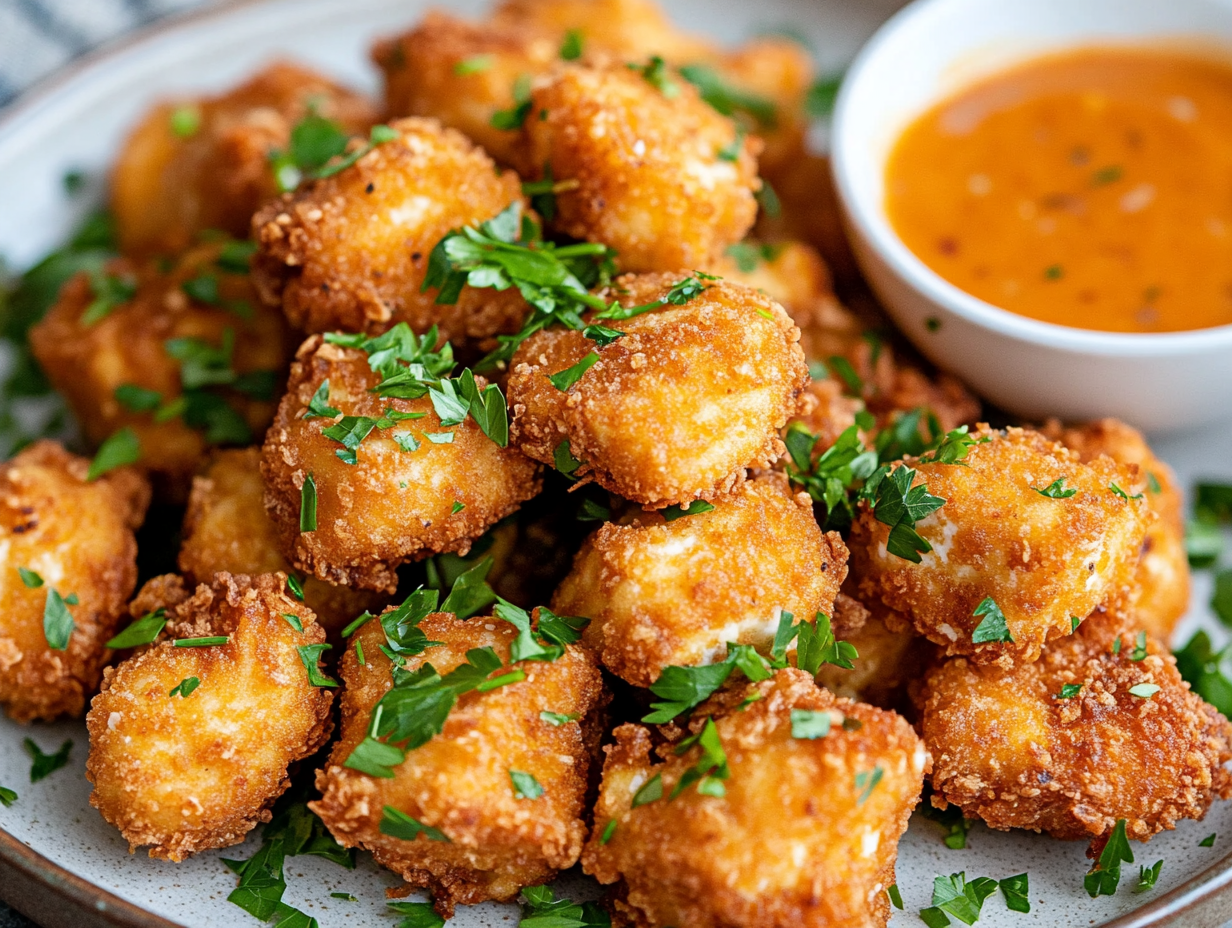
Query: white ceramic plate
point(76, 122)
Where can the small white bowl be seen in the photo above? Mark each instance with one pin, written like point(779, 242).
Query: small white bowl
point(1159, 382)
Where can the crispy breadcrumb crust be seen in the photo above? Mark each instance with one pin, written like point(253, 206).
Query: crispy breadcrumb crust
point(226, 528)
point(660, 593)
point(1041, 560)
point(459, 782)
point(648, 173)
point(790, 843)
point(351, 251)
point(86, 362)
point(392, 506)
point(1008, 750)
point(1161, 585)
point(166, 188)
point(78, 537)
point(183, 774)
point(677, 408)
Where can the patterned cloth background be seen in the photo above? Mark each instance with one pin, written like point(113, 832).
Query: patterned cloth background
point(36, 38)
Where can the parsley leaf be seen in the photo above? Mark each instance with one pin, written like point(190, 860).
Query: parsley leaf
point(866, 782)
point(8, 797)
point(1208, 671)
point(1121, 493)
point(137, 399)
point(962, 899)
point(1016, 889)
point(400, 825)
point(1148, 876)
point(819, 101)
point(544, 910)
point(1144, 690)
point(310, 656)
point(993, 627)
point(1208, 841)
point(1103, 878)
point(111, 291)
point(817, 645)
point(952, 820)
point(564, 461)
point(212, 641)
point(120, 449)
point(842, 468)
point(29, 578)
point(308, 505)
point(648, 792)
point(808, 725)
point(512, 118)
point(44, 765)
point(1069, 691)
point(418, 915)
point(729, 99)
point(475, 64)
point(143, 631)
point(681, 688)
point(318, 406)
point(898, 504)
point(696, 507)
point(525, 786)
point(185, 687)
point(711, 767)
point(58, 623)
point(655, 73)
point(571, 47)
point(569, 376)
point(1139, 651)
point(471, 593)
point(556, 719)
point(1056, 490)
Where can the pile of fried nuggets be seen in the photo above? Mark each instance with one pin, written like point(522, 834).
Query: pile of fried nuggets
point(779, 799)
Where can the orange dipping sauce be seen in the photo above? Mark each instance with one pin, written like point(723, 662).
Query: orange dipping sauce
point(1090, 189)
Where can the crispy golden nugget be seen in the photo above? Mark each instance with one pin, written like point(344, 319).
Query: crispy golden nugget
point(76, 535)
point(189, 746)
point(889, 659)
point(461, 781)
point(197, 164)
point(226, 528)
point(1161, 590)
point(463, 74)
point(1041, 560)
point(660, 593)
point(803, 830)
point(654, 173)
point(677, 408)
point(350, 251)
point(622, 29)
point(1077, 740)
point(181, 372)
point(394, 504)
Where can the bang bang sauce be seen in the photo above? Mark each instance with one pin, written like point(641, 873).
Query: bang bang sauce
point(1090, 189)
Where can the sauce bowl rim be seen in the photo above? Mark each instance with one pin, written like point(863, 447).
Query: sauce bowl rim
point(873, 224)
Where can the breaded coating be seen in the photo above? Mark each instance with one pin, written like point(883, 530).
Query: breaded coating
point(1041, 560)
point(226, 528)
point(805, 832)
point(350, 251)
point(677, 408)
point(77, 536)
point(392, 505)
point(889, 660)
point(197, 164)
point(661, 177)
point(460, 781)
point(184, 772)
point(1161, 589)
point(660, 593)
point(205, 373)
point(1010, 747)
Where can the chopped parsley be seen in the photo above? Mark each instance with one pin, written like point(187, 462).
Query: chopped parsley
point(120, 449)
point(400, 825)
point(525, 786)
point(296, 588)
point(318, 406)
point(809, 724)
point(952, 820)
point(185, 687)
point(569, 376)
point(648, 792)
point(1054, 272)
point(30, 578)
point(136, 398)
point(1148, 877)
point(564, 461)
point(293, 620)
point(143, 631)
point(377, 135)
point(308, 505)
point(470, 593)
point(547, 641)
point(1069, 691)
point(608, 830)
point(310, 656)
point(44, 765)
point(1139, 651)
point(418, 915)
point(571, 47)
point(1144, 690)
point(711, 767)
point(590, 511)
point(819, 101)
point(731, 151)
point(896, 898)
point(544, 910)
point(749, 255)
point(185, 120)
point(1103, 878)
point(696, 507)
point(457, 507)
point(898, 504)
point(842, 468)
point(1221, 599)
point(58, 625)
point(1121, 493)
point(1107, 175)
point(656, 74)
point(866, 782)
point(345, 897)
point(993, 626)
point(512, 118)
point(1056, 490)
point(1208, 841)
point(1016, 889)
point(475, 64)
point(728, 99)
point(556, 719)
point(7, 797)
point(955, 895)
point(212, 641)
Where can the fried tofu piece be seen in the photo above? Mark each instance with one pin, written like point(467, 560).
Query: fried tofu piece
point(677, 408)
point(76, 535)
point(351, 251)
point(226, 529)
point(660, 593)
point(1161, 589)
point(461, 781)
point(656, 174)
point(800, 831)
point(1025, 748)
point(892, 656)
point(181, 372)
point(394, 504)
point(195, 164)
point(184, 766)
point(1042, 561)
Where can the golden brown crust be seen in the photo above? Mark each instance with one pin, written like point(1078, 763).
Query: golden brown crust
point(790, 843)
point(78, 537)
point(1161, 589)
point(165, 189)
point(459, 781)
point(660, 593)
point(1007, 750)
point(650, 179)
point(350, 252)
point(87, 362)
point(226, 528)
point(1041, 560)
point(184, 774)
point(392, 506)
point(677, 408)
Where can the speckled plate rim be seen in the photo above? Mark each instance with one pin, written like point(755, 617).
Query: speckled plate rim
point(45, 891)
